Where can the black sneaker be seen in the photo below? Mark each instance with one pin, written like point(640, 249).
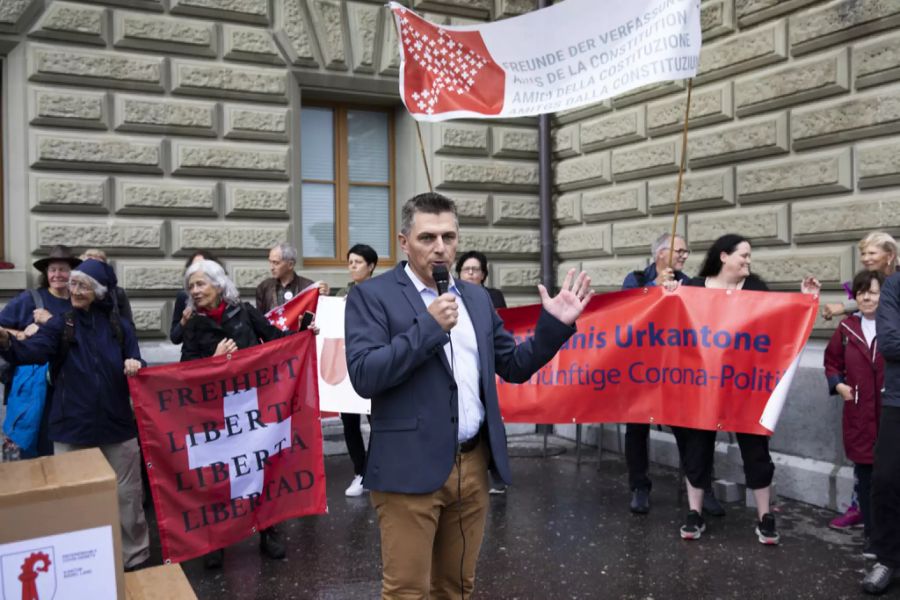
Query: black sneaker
point(766, 531)
point(693, 527)
point(640, 501)
point(270, 544)
point(878, 579)
point(214, 559)
point(711, 505)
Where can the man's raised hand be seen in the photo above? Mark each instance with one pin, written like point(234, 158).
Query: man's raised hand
point(573, 296)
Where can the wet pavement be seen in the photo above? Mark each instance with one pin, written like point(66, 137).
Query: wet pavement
point(562, 531)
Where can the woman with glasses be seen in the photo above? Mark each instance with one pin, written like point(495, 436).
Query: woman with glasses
point(473, 267)
point(91, 351)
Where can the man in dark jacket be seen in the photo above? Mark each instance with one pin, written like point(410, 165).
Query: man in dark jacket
point(91, 351)
point(429, 361)
point(886, 473)
point(638, 434)
point(285, 283)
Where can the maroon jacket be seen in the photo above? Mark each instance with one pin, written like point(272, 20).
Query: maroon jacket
point(849, 360)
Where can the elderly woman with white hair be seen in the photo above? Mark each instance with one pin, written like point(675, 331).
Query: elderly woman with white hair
point(219, 324)
point(90, 351)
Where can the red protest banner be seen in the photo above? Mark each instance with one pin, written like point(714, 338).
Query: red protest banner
point(708, 359)
point(233, 444)
point(287, 316)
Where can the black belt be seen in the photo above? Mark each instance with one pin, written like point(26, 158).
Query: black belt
point(470, 444)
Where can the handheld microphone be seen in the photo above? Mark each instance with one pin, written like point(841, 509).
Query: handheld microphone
point(441, 277)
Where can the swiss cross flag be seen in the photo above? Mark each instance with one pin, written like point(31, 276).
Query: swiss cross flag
point(232, 443)
point(446, 70)
point(287, 316)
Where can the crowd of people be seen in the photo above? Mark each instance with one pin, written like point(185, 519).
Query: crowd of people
point(410, 340)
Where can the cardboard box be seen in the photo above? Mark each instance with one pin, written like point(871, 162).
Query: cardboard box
point(167, 582)
point(59, 527)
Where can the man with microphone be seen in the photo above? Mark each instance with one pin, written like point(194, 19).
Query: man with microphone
point(426, 348)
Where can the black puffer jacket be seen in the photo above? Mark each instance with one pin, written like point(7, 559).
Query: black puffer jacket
point(888, 326)
point(242, 323)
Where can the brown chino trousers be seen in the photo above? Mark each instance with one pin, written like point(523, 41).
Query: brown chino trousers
point(421, 542)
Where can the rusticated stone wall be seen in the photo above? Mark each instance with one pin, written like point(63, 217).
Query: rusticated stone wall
point(151, 128)
point(795, 117)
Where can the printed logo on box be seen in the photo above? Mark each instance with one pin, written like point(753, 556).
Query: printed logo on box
point(29, 575)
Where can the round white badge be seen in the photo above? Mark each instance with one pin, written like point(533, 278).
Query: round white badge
point(288, 295)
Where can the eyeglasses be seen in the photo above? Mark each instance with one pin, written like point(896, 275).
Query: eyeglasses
point(470, 270)
point(683, 252)
point(76, 285)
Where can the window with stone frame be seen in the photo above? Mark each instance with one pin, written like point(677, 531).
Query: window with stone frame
point(347, 166)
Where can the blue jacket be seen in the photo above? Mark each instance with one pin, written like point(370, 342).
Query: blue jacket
point(649, 278)
point(887, 324)
point(395, 357)
point(90, 403)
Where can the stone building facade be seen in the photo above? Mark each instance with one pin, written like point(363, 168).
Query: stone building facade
point(151, 128)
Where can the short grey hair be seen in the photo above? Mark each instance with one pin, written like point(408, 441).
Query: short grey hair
point(217, 277)
point(99, 289)
point(429, 202)
point(661, 242)
point(288, 252)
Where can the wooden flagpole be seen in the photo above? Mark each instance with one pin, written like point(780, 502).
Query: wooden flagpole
point(684, 137)
point(418, 128)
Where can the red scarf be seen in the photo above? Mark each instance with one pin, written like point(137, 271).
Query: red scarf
point(216, 313)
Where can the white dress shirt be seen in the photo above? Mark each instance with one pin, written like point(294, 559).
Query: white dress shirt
point(463, 357)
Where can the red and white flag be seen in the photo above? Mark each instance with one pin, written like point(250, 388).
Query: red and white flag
point(570, 54)
point(287, 316)
point(233, 443)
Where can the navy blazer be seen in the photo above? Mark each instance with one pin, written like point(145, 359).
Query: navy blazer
point(395, 357)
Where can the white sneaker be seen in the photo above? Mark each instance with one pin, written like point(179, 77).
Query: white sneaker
point(356, 487)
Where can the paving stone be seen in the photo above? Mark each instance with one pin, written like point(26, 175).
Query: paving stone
point(878, 164)
point(716, 19)
point(609, 274)
point(876, 61)
point(472, 209)
point(832, 264)
point(245, 238)
point(505, 243)
point(516, 277)
point(567, 209)
point(514, 142)
point(493, 175)
point(463, 139)
point(156, 276)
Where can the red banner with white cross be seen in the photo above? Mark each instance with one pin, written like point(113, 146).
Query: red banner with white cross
point(232, 443)
point(695, 357)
